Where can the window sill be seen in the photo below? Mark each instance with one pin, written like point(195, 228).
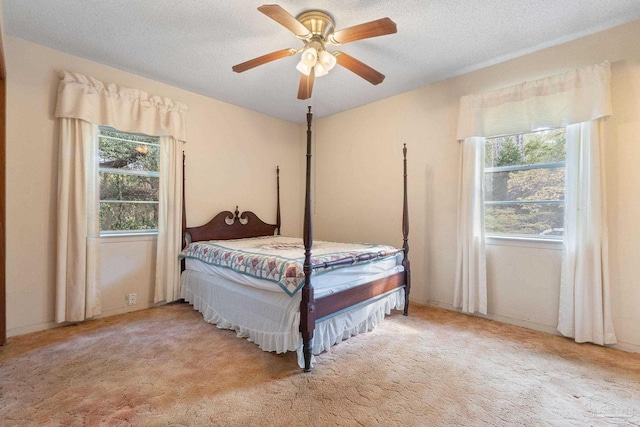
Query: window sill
point(529, 242)
point(129, 237)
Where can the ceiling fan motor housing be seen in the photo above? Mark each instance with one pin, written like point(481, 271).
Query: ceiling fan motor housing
point(319, 23)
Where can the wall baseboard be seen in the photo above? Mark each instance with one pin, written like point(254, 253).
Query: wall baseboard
point(23, 330)
point(125, 309)
point(624, 346)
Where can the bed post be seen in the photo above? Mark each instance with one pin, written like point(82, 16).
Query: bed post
point(278, 222)
point(184, 215)
point(307, 309)
point(184, 205)
point(405, 236)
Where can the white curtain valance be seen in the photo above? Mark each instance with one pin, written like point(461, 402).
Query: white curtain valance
point(573, 97)
point(125, 109)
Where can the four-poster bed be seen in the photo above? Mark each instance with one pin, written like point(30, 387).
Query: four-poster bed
point(242, 275)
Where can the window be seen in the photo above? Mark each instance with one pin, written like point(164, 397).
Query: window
point(128, 179)
point(525, 184)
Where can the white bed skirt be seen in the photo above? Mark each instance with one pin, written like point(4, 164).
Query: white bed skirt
point(272, 319)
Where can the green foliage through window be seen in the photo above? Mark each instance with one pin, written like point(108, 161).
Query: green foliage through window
point(525, 184)
point(128, 174)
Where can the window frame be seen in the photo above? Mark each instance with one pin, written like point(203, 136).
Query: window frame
point(127, 172)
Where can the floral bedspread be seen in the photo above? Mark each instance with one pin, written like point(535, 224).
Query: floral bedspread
point(277, 259)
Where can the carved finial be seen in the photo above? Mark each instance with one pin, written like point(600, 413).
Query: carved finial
point(309, 117)
point(404, 150)
point(237, 213)
point(278, 170)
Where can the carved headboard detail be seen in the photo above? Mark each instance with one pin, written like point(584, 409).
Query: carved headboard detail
point(231, 225)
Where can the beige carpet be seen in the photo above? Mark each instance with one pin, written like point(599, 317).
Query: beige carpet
point(166, 367)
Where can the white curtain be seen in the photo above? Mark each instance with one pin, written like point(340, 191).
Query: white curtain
point(585, 313)
point(169, 221)
point(578, 100)
point(83, 104)
point(77, 263)
point(471, 276)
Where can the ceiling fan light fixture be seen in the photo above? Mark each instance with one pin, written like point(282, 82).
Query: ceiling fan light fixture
point(308, 61)
point(303, 68)
point(319, 69)
point(327, 60)
point(309, 56)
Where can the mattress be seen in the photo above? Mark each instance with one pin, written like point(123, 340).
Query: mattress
point(277, 261)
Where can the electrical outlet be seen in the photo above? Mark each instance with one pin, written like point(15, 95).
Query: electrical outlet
point(132, 299)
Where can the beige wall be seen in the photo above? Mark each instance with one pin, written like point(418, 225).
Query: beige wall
point(358, 171)
point(232, 154)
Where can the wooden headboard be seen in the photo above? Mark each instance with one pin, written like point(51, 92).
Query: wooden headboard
point(233, 225)
point(227, 225)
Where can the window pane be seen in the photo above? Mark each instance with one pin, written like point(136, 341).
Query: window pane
point(128, 216)
point(118, 154)
point(525, 219)
point(128, 196)
point(115, 186)
point(546, 146)
point(524, 184)
point(519, 185)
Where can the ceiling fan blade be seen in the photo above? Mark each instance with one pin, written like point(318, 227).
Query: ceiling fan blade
point(285, 19)
point(379, 27)
point(306, 85)
point(252, 63)
point(359, 68)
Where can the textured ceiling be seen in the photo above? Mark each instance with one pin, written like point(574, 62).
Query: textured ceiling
point(193, 44)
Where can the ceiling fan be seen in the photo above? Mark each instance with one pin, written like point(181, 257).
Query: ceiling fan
point(316, 30)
